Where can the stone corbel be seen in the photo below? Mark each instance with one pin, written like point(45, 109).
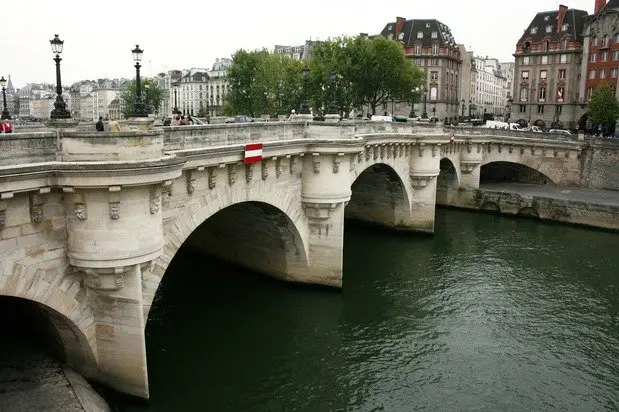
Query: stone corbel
point(319, 211)
point(37, 200)
point(533, 150)
point(166, 191)
point(434, 148)
point(279, 167)
point(191, 181)
point(468, 167)
point(336, 162)
point(231, 174)
point(556, 153)
point(382, 151)
point(401, 148)
point(521, 150)
point(360, 156)
point(367, 153)
point(212, 177)
point(249, 172)
point(2, 218)
point(489, 148)
point(422, 148)
point(103, 279)
point(316, 162)
point(293, 164)
point(478, 148)
point(469, 149)
point(154, 199)
point(419, 182)
point(511, 149)
point(375, 152)
point(265, 169)
point(543, 152)
point(114, 202)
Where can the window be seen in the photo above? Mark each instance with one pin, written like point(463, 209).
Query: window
point(526, 60)
point(533, 30)
point(433, 75)
point(433, 93)
point(435, 49)
point(594, 41)
point(543, 74)
point(548, 29)
point(419, 62)
point(542, 94)
point(545, 45)
point(616, 55)
point(565, 45)
point(546, 18)
point(540, 109)
point(417, 49)
point(561, 74)
point(544, 60)
point(603, 74)
point(605, 44)
point(617, 38)
point(420, 35)
point(523, 108)
point(565, 27)
point(605, 56)
point(591, 74)
point(589, 92)
point(613, 73)
point(525, 75)
point(563, 58)
point(560, 93)
point(524, 94)
point(434, 35)
point(594, 57)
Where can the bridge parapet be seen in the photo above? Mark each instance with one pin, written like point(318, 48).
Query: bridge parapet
point(25, 148)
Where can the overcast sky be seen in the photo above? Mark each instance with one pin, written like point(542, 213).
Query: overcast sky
point(99, 36)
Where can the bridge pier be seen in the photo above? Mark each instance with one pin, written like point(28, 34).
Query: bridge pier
point(470, 165)
point(424, 169)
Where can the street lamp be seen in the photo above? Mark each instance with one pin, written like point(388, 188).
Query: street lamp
point(424, 115)
point(266, 101)
point(470, 103)
point(433, 113)
point(304, 106)
point(175, 110)
point(333, 105)
point(414, 95)
point(5, 111)
point(463, 104)
point(139, 109)
point(60, 107)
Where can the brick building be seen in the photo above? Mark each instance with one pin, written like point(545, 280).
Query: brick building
point(548, 69)
point(601, 45)
point(433, 48)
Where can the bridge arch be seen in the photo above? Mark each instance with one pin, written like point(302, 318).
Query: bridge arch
point(380, 196)
point(525, 170)
point(260, 229)
point(449, 176)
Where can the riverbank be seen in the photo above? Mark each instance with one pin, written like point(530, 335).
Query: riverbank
point(31, 380)
point(581, 206)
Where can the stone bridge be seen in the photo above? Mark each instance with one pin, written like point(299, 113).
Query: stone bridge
point(89, 222)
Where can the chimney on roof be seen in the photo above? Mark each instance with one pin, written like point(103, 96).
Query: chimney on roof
point(599, 5)
point(399, 23)
point(561, 17)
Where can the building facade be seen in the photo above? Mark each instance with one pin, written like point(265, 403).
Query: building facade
point(490, 97)
point(430, 44)
point(601, 46)
point(548, 70)
point(301, 52)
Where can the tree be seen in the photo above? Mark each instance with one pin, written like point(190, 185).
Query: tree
point(370, 71)
point(603, 107)
point(152, 96)
point(263, 83)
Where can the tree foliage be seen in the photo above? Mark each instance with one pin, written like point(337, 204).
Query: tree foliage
point(348, 72)
point(369, 72)
point(152, 96)
point(263, 83)
point(603, 106)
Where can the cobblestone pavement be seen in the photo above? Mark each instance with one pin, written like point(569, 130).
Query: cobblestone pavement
point(33, 381)
point(578, 194)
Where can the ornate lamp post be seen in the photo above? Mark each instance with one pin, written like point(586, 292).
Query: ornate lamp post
point(433, 112)
point(139, 109)
point(333, 105)
point(463, 102)
point(175, 110)
point(60, 107)
point(5, 111)
point(304, 106)
point(266, 101)
point(470, 102)
point(414, 95)
point(424, 115)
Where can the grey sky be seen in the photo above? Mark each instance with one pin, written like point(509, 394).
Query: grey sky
point(99, 36)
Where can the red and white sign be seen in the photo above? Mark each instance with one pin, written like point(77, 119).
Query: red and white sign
point(253, 153)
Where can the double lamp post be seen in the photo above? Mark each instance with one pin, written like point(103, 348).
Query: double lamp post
point(5, 111)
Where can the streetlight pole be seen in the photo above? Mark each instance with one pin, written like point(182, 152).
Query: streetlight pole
point(60, 107)
point(413, 98)
point(333, 105)
point(139, 109)
point(304, 106)
point(470, 103)
point(463, 104)
point(175, 110)
point(424, 115)
point(5, 111)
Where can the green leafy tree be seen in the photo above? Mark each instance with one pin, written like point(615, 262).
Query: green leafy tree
point(152, 96)
point(603, 106)
point(369, 72)
point(263, 83)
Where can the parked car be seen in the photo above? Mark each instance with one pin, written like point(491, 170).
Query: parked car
point(400, 119)
point(239, 119)
point(560, 132)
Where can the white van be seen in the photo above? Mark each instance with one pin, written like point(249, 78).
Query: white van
point(376, 118)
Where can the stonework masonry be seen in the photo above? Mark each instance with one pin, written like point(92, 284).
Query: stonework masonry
point(90, 222)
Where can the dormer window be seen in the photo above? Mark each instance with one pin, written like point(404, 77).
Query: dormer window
point(533, 30)
point(420, 35)
point(594, 41)
point(427, 25)
point(389, 27)
point(546, 18)
point(548, 29)
point(401, 36)
point(434, 35)
point(565, 27)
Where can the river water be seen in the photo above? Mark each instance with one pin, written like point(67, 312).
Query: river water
point(489, 314)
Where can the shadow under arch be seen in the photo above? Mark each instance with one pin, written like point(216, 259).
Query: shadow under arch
point(56, 332)
point(449, 176)
point(379, 197)
point(250, 234)
point(501, 171)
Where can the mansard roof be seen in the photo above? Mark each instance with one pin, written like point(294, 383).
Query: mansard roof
point(612, 5)
point(410, 29)
point(574, 18)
